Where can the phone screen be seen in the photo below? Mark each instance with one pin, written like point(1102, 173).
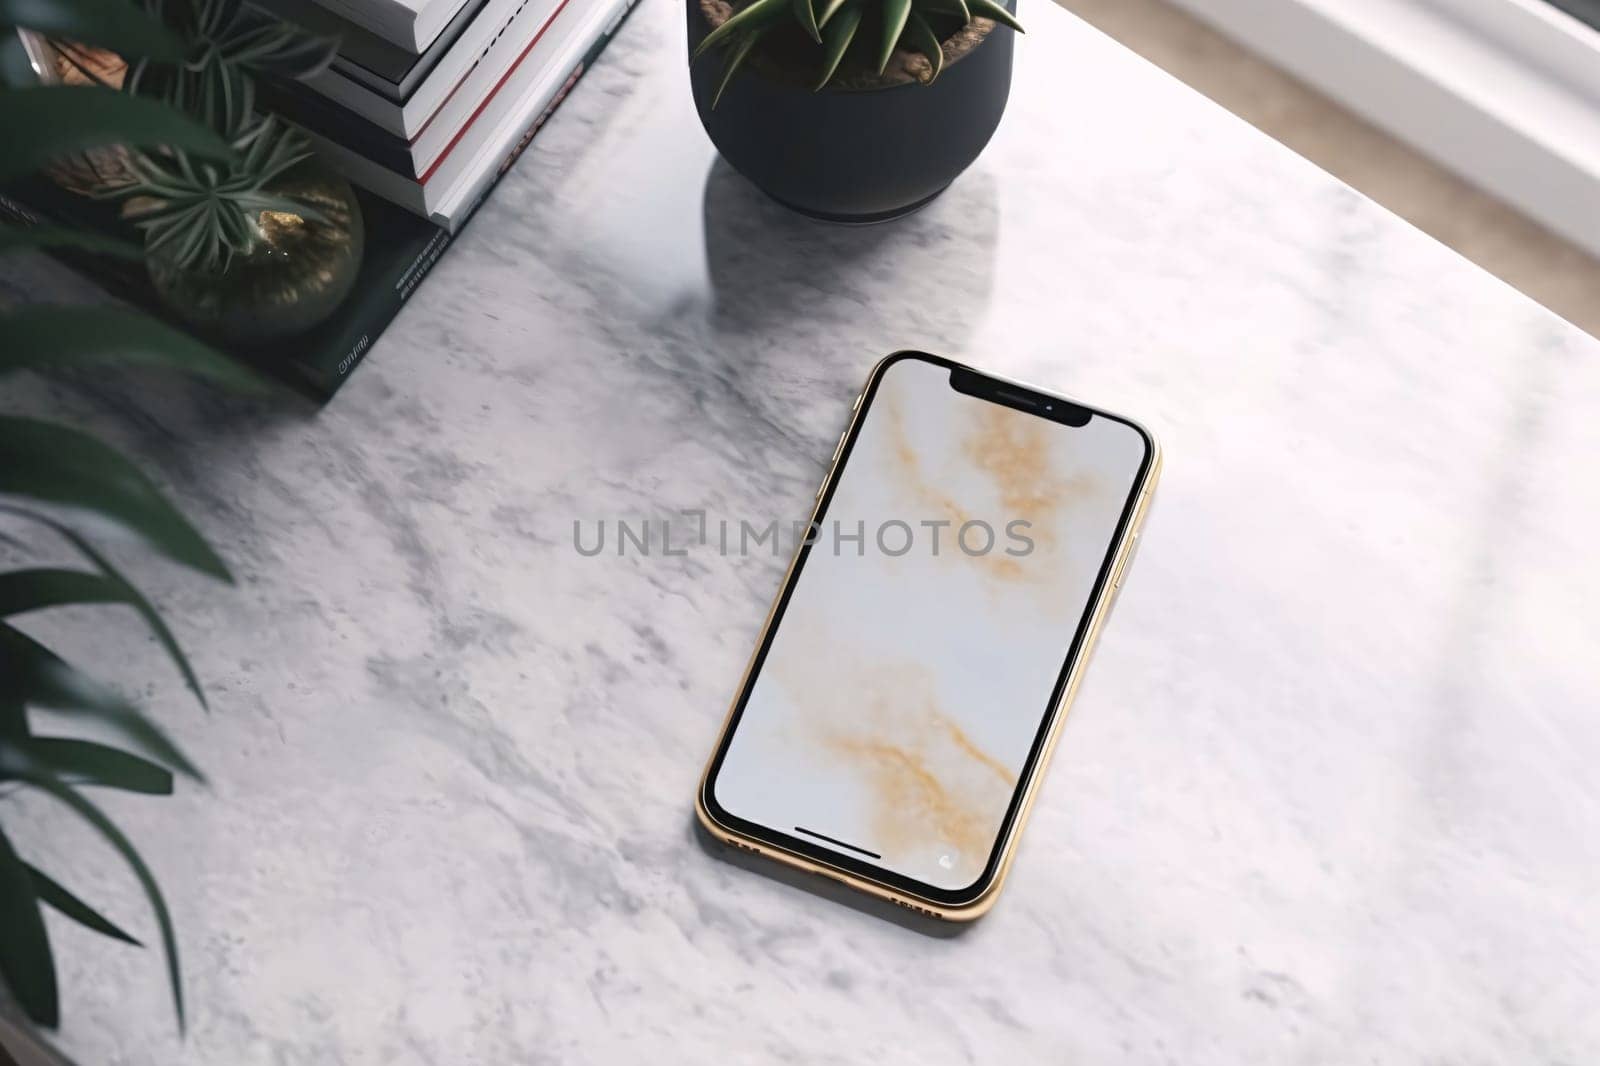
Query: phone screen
point(893, 712)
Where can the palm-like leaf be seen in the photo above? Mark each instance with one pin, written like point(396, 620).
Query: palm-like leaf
point(17, 765)
point(54, 465)
point(45, 123)
point(14, 237)
point(30, 590)
point(114, 24)
point(54, 895)
point(43, 463)
point(227, 45)
point(42, 337)
point(85, 762)
point(26, 962)
point(36, 676)
point(31, 674)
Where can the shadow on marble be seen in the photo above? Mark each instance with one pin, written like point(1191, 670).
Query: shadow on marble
point(822, 887)
point(774, 270)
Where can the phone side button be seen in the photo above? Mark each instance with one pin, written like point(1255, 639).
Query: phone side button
point(1127, 557)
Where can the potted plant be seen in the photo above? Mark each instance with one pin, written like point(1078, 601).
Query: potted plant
point(851, 110)
point(265, 243)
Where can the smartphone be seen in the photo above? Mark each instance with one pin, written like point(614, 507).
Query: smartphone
point(914, 671)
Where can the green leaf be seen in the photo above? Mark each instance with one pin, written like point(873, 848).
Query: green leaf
point(759, 13)
point(839, 33)
point(53, 894)
point(13, 237)
point(895, 14)
point(26, 963)
point(126, 593)
point(807, 16)
point(736, 58)
point(269, 46)
point(52, 464)
point(957, 8)
point(26, 770)
point(114, 24)
point(85, 762)
point(13, 718)
point(988, 9)
point(40, 337)
point(830, 9)
point(47, 122)
point(32, 674)
point(927, 42)
point(22, 591)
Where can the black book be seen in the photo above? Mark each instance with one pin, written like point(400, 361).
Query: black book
point(320, 115)
point(367, 58)
point(400, 250)
point(537, 33)
point(1582, 10)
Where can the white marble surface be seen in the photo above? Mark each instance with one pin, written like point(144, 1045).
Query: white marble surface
point(1329, 793)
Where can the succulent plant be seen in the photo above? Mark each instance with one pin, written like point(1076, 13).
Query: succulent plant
point(833, 26)
point(198, 214)
point(227, 46)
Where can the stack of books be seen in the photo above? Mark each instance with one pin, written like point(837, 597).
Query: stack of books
point(428, 99)
point(426, 106)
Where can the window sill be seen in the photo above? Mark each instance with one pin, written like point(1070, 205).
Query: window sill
point(1505, 93)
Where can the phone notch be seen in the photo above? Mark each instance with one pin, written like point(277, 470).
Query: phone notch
point(1019, 398)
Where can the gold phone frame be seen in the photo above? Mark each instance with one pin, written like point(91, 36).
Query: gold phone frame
point(1104, 597)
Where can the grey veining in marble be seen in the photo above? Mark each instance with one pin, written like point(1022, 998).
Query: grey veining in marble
point(1328, 795)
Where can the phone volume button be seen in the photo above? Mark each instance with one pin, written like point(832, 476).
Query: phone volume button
point(1127, 557)
point(837, 448)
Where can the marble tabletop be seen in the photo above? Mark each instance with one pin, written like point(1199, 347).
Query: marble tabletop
point(1329, 791)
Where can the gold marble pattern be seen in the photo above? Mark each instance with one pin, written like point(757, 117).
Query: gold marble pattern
point(902, 693)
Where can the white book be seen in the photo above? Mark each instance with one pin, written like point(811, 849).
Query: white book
point(466, 69)
point(517, 45)
point(492, 140)
point(410, 24)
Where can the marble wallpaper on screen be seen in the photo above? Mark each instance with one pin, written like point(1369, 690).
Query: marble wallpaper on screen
point(909, 675)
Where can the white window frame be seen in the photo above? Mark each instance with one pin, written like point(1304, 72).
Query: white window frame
point(1505, 93)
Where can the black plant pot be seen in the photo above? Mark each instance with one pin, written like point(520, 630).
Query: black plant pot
point(854, 155)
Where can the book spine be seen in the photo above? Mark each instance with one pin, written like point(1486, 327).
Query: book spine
point(317, 115)
point(577, 72)
point(377, 316)
point(374, 313)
